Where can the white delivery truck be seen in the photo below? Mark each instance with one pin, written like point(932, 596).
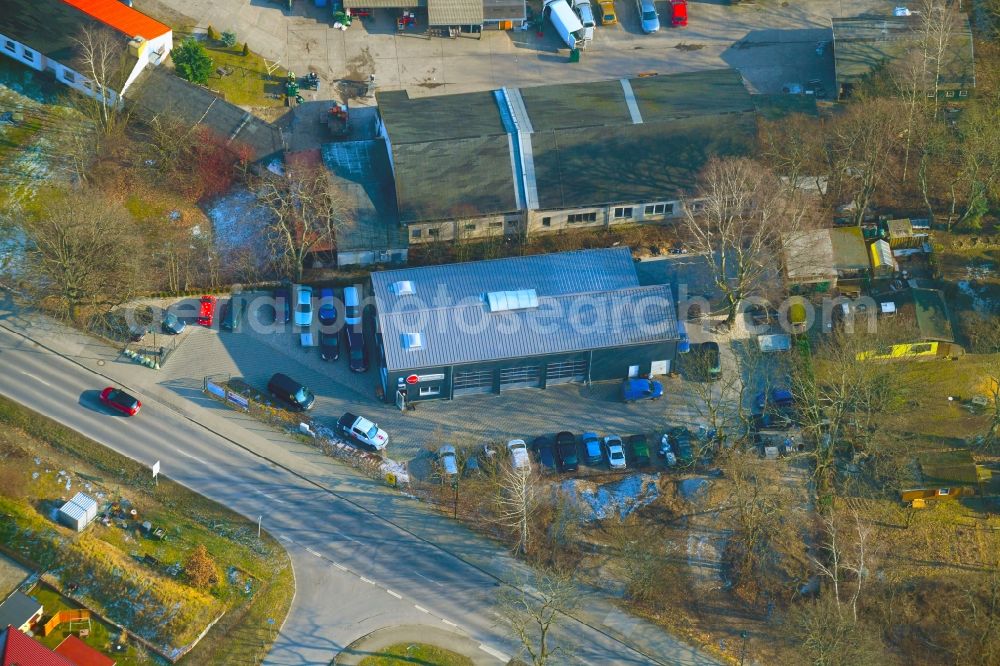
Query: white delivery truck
point(566, 23)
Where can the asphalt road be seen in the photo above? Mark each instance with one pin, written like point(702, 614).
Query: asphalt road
point(355, 573)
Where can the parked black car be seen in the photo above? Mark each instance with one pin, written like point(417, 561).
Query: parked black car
point(172, 324)
point(680, 440)
point(356, 350)
point(543, 448)
point(329, 346)
point(232, 313)
point(566, 452)
point(282, 305)
point(639, 449)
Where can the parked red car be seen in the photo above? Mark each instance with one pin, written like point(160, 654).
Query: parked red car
point(679, 16)
point(207, 314)
point(121, 401)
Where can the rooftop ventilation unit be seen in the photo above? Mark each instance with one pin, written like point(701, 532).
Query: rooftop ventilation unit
point(505, 301)
point(412, 341)
point(404, 288)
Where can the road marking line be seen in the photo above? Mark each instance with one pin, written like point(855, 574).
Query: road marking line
point(340, 566)
point(421, 609)
point(394, 594)
point(313, 552)
point(449, 622)
point(426, 578)
point(495, 653)
point(284, 538)
point(365, 580)
point(40, 381)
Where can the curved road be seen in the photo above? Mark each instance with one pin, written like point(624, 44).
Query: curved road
point(355, 572)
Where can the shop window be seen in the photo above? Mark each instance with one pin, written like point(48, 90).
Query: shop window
point(430, 390)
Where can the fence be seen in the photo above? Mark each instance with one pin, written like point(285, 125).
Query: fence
point(233, 392)
point(65, 616)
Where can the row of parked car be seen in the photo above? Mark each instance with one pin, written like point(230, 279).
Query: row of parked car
point(331, 326)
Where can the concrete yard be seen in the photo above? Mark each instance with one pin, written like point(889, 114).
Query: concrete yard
point(770, 43)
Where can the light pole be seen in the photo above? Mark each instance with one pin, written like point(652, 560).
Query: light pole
point(259, 518)
point(745, 635)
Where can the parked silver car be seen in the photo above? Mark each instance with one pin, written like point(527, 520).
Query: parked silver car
point(647, 14)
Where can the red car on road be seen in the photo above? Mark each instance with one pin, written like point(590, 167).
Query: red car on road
point(207, 313)
point(679, 13)
point(121, 401)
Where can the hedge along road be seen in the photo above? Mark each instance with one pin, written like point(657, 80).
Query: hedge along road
point(355, 571)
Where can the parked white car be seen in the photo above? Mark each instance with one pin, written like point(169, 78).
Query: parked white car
point(615, 451)
point(448, 460)
point(304, 308)
point(519, 457)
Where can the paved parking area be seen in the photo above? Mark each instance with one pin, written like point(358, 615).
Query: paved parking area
point(770, 42)
point(258, 351)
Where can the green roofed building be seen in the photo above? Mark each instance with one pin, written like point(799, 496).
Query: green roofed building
point(541, 159)
point(863, 44)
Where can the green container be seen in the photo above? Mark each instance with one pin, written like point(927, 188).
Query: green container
point(574, 55)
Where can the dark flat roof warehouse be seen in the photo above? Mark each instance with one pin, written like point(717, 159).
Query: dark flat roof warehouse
point(589, 299)
point(581, 144)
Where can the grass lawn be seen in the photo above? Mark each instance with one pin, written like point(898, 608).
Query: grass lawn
point(416, 653)
point(244, 79)
point(106, 561)
point(102, 636)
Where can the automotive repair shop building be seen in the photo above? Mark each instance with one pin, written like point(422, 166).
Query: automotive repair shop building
point(522, 322)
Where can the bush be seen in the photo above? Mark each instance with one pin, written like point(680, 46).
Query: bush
point(192, 61)
point(200, 568)
point(212, 34)
point(229, 39)
point(246, 49)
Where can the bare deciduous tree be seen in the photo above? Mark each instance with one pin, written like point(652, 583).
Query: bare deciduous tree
point(102, 58)
point(533, 616)
point(736, 221)
point(862, 141)
point(756, 502)
point(307, 210)
point(81, 250)
point(847, 549)
point(516, 503)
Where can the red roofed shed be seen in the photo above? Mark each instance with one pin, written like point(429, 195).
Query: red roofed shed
point(121, 17)
point(17, 649)
point(82, 654)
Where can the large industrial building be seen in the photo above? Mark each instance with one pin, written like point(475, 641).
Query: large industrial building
point(522, 322)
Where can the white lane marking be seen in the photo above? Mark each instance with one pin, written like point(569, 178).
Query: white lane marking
point(340, 566)
point(426, 578)
point(312, 552)
point(365, 580)
point(191, 456)
point(398, 596)
point(284, 538)
point(449, 622)
point(421, 609)
point(495, 653)
point(261, 492)
point(40, 381)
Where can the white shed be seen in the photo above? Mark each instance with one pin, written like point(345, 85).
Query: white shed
point(78, 512)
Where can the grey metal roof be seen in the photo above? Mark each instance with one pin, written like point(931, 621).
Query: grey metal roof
point(468, 333)
point(496, 10)
point(17, 609)
point(438, 117)
point(455, 12)
point(548, 274)
point(589, 299)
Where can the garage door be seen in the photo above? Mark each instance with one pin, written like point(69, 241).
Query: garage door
point(565, 372)
point(473, 381)
point(529, 376)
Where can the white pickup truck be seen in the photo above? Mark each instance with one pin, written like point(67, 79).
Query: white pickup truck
point(362, 430)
